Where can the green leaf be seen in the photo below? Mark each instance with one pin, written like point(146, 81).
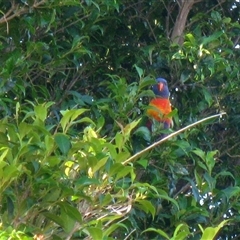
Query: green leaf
point(4, 152)
point(181, 232)
point(185, 75)
point(52, 196)
point(139, 71)
point(77, 41)
point(195, 190)
point(99, 164)
point(115, 168)
point(224, 173)
point(144, 133)
point(119, 140)
point(123, 172)
point(146, 206)
point(207, 96)
point(95, 232)
point(198, 177)
point(210, 180)
point(146, 82)
point(211, 232)
point(10, 173)
point(24, 129)
point(143, 163)
point(202, 165)
point(231, 191)
point(41, 111)
point(199, 153)
point(212, 37)
point(162, 194)
point(216, 16)
point(71, 211)
point(210, 160)
point(53, 160)
point(129, 127)
point(191, 38)
point(69, 116)
point(115, 226)
point(122, 156)
point(85, 181)
point(62, 142)
point(54, 218)
point(180, 169)
point(17, 109)
point(158, 231)
point(49, 143)
point(227, 20)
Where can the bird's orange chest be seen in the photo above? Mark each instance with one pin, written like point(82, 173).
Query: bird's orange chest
point(160, 106)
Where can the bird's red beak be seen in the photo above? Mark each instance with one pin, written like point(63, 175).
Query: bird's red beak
point(160, 86)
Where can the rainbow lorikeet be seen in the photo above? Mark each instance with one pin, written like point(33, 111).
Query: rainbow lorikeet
point(160, 106)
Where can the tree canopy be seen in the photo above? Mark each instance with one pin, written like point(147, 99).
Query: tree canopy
point(75, 81)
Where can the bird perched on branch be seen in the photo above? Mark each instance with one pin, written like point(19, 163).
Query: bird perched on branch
point(160, 106)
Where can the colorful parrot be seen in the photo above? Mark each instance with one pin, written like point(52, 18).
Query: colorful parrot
point(160, 106)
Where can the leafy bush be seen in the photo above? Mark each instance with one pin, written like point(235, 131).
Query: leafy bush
point(76, 160)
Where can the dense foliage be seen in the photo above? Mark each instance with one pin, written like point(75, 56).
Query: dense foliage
point(75, 83)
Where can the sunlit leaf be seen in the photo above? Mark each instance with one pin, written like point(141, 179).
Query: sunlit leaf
point(69, 116)
point(211, 232)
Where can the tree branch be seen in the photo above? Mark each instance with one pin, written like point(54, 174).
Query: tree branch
point(184, 8)
point(137, 155)
point(16, 11)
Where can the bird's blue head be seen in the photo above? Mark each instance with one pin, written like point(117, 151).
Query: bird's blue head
point(160, 89)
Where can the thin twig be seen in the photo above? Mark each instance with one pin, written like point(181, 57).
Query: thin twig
point(137, 155)
point(182, 190)
point(130, 234)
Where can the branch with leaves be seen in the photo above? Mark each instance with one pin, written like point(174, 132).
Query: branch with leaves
point(16, 11)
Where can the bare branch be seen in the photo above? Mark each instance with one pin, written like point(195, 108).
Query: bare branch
point(137, 155)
